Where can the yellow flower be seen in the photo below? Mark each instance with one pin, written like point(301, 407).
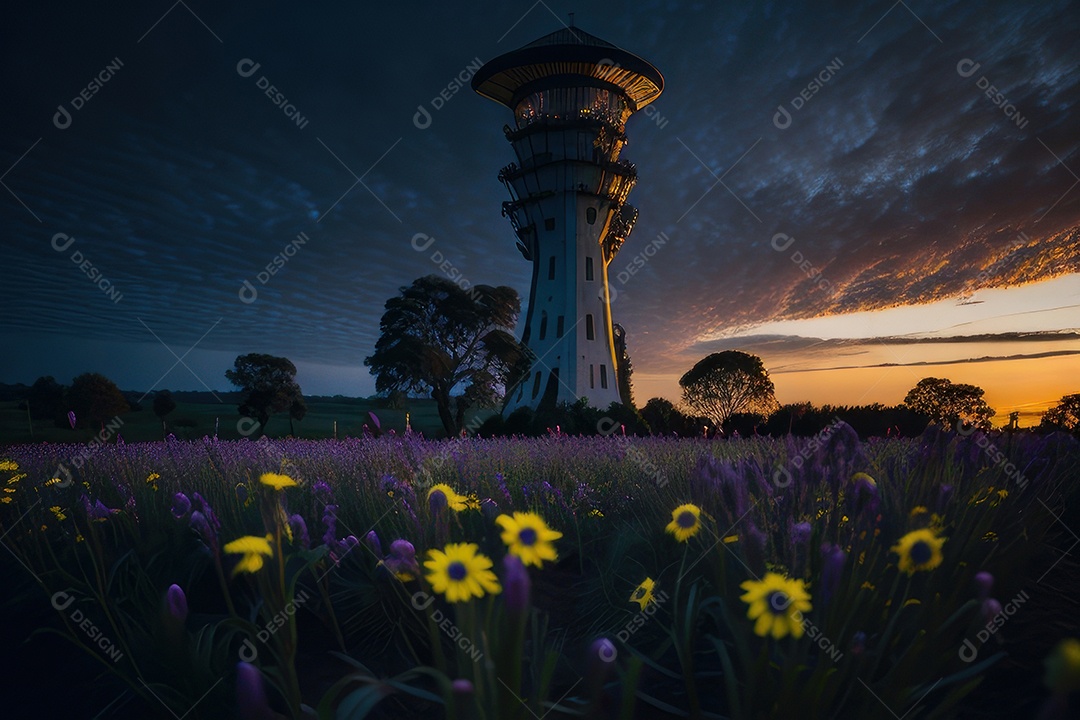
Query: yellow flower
point(730, 539)
point(53, 481)
point(472, 502)
point(919, 550)
point(8, 465)
point(595, 513)
point(867, 586)
point(276, 481)
point(643, 593)
point(460, 573)
point(5, 500)
point(776, 604)
point(152, 479)
point(685, 522)
point(455, 502)
point(253, 548)
point(528, 536)
point(1063, 667)
point(918, 510)
point(58, 512)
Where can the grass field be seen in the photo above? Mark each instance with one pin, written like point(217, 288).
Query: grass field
point(191, 421)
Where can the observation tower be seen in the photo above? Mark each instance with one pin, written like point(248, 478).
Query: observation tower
point(571, 94)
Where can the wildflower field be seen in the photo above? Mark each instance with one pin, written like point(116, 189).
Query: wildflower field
point(506, 579)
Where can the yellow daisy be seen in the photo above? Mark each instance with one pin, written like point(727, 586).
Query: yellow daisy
point(277, 481)
point(528, 536)
point(919, 550)
point(253, 548)
point(685, 522)
point(643, 593)
point(460, 573)
point(776, 604)
point(151, 480)
point(455, 502)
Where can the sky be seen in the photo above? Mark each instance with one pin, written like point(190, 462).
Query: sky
point(863, 195)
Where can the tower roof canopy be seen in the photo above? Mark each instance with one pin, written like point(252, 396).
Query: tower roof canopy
point(571, 55)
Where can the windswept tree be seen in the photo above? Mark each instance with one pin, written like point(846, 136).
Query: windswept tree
point(95, 399)
point(440, 339)
point(163, 405)
point(949, 403)
point(729, 382)
point(268, 384)
point(1063, 416)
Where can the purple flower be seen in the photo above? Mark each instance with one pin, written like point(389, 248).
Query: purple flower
point(800, 533)
point(97, 511)
point(176, 602)
point(207, 511)
point(372, 541)
point(944, 496)
point(461, 686)
point(831, 570)
point(600, 663)
point(858, 643)
point(437, 502)
point(516, 585)
point(322, 492)
point(181, 506)
point(71, 418)
point(991, 608)
point(984, 582)
point(199, 522)
point(250, 693)
point(330, 520)
point(299, 530)
point(402, 560)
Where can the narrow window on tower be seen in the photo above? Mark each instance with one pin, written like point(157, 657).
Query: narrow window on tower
point(536, 385)
point(603, 376)
point(590, 216)
point(588, 268)
point(543, 325)
point(592, 376)
point(559, 326)
point(549, 224)
point(590, 334)
point(551, 268)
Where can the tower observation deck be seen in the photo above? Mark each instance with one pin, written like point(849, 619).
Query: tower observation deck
point(571, 94)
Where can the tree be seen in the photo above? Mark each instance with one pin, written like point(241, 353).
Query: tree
point(728, 382)
point(95, 399)
point(437, 338)
point(624, 368)
point(163, 404)
point(268, 384)
point(1063, 416)
point(46, 399)
point(297, 411)
point(950, 403)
